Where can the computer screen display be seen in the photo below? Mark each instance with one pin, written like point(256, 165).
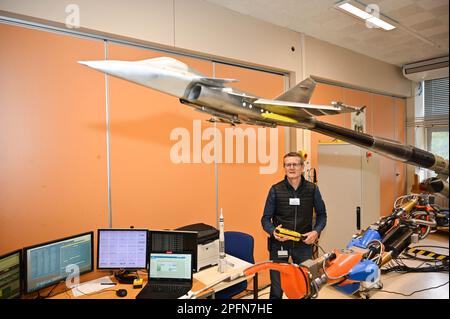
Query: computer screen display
point(122, 249)
point(10, 275)
point(47, 264)
point(175, 241)
point(173, 266)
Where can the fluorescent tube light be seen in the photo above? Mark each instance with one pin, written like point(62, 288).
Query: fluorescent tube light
point(355, 11)
point(350, 8)
point(380, 23)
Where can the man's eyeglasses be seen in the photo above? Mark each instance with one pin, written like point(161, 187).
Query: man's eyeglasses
point(294, 165)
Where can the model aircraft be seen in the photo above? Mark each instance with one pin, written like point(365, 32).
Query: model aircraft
point(292, 108)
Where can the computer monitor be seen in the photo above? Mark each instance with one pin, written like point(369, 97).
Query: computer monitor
point(47, 264)
point(11, 275)
point(173, 266)
point(122, 249)
point(169, 276)
point(175, 241)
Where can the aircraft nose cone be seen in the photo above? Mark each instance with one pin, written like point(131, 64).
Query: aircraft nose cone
point(101, 65)
point(147, 74)
point(85, 62)
point(123, 69)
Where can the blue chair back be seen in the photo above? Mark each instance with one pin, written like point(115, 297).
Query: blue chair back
point(239, 245)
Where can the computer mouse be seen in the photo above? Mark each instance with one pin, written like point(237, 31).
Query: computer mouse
point(121, 292)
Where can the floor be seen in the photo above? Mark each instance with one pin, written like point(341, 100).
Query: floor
point(404, 283)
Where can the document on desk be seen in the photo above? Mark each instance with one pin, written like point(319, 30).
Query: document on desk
point(92, 286)
point(236, 263)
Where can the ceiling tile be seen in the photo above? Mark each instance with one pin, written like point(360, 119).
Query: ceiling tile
point(320, 19)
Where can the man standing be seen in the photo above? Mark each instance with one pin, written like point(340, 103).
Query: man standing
point(290, 205)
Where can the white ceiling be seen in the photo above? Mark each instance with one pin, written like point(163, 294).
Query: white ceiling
point(423, 31)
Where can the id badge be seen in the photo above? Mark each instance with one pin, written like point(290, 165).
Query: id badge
point(283, 254)
point(294, 201)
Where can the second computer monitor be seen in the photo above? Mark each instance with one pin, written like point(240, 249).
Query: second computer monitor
point(49, 263)
point(122, 249)
point(175, 241)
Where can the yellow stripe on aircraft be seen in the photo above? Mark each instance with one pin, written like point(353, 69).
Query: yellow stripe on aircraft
point(278, 117)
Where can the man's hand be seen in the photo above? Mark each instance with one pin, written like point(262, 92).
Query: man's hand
point(310, 237)
point(279, 238)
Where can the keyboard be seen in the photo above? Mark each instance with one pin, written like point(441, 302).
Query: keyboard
point(173, 289)
point(163, 291)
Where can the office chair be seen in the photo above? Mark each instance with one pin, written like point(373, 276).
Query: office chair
point(239, 245)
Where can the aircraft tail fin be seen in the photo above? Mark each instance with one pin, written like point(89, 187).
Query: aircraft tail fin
point(300, 93)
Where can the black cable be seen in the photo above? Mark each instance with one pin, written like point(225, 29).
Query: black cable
point(397, 265)
point(51, 290)
point(316, 244)
point(404, 269)
point(61, 292)
point(400, 266)
point(48, 295)
point(408, 295)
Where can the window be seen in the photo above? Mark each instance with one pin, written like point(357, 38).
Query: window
point(438, 141)
point(436, 116)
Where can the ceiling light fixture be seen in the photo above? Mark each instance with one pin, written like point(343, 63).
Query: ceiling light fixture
point(369, 13)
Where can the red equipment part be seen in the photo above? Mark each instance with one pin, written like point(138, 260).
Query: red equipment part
point(294, 279)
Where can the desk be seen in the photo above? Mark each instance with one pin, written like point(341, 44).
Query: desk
point(234, 265)
point(110, 291)
point(201, 280)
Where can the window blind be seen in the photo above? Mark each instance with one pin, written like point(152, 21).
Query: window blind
point(436, 103)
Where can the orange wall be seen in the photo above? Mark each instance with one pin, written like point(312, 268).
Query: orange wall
point(52, 140)
point(53, 172)
point(148, 190)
